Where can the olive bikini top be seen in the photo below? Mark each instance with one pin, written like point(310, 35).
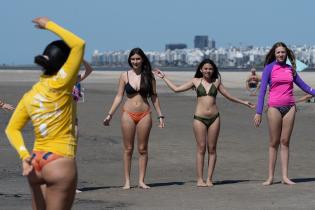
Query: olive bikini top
point(201, 91)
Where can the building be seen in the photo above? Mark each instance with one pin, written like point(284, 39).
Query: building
point(175, 46)
point(201, 42)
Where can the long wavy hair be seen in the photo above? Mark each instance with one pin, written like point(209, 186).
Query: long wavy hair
point(215, 75)
point(146, 86)
point(271, 55)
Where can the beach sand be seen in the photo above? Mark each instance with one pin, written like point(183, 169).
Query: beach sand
point(241, 164)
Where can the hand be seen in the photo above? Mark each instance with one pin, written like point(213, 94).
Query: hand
point(107, 120)
point(158, 73)
point(40, 22)
point(162, 123)
point(257, 120)
point(8, 107)
point(27, 166)
point(250, 105)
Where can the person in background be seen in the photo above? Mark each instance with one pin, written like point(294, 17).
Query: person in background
point(51, 167)
point(253, 82)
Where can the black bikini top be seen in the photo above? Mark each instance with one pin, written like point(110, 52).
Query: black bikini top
point(129, 89)
point(201, 91)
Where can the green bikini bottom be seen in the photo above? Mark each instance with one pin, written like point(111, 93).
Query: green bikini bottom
point(207, 121)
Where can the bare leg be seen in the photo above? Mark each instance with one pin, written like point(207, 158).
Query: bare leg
point(38, 194)
point(143, 132)
point(61, 178)
point(213, 134)
point(128, 129)
point(200, 131)
point(275, 126)
point(288, 123)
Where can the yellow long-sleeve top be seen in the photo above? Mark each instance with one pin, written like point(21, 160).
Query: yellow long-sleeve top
point(49, 105)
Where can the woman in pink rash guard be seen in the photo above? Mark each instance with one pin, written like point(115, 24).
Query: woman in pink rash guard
point(281, 105)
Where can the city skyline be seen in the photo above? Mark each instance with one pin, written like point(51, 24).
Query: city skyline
point(119, 25)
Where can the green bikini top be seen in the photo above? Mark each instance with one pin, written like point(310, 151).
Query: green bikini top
point(201, 91)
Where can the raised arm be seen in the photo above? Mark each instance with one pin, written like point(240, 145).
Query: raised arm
point(227, 95)
point(117, 100)
point(67, 75)
point(176, 88)
point(156, 104)
point(87, 71)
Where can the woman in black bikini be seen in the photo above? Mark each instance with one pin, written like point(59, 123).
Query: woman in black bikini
point(206, 124)
point(139, 85)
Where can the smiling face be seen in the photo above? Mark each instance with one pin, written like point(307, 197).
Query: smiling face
point(136, 61)
point(207, 70)
point(280, 54)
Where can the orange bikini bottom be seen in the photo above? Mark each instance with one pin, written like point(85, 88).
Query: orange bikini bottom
point(137, 116)
point(40, 159)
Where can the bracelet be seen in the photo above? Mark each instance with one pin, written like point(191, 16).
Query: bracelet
point(110, 115)
point(159, 117)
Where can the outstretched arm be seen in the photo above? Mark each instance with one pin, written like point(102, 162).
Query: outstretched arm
point(227, 95)
point(304, 98)
point(117, 100)
point(299, 82)
point(176, 88)
point(6, 106)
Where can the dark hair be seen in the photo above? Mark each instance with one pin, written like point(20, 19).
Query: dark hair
point(215, 74)
point(146, 87)
point(53, 57)
point(270, 57)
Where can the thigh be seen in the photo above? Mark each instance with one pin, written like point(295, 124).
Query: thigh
point(200, 132)
point(288, 124)
point(274, 124)
point(213, 133)
point(143, 130)
point(61, 177)
point(128, 128)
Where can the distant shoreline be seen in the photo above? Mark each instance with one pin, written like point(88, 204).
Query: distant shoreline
point(123, 68)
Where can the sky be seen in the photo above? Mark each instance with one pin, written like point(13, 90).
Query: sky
point(108, 25)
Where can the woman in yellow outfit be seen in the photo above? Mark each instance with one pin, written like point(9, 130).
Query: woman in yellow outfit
point(51, 168)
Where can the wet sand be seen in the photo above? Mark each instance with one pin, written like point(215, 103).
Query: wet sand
point(242, 153)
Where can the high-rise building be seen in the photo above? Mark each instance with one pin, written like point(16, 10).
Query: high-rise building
point(211, 44)
point(201, 42)
point(175, 46)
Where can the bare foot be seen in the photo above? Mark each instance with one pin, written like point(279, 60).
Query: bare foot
point(287, 181)
point(268, 182)
point(201, 183)
point(143, 186)
point(126, 186)
point(209, 183)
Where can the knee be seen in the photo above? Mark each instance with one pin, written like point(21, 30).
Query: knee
point(143, 150)
point(201, 149)
point(274, 144)
point(212, 150)
point(128, 151)
point(285, 142)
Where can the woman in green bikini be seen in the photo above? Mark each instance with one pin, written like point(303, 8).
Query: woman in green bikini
point(206, 124)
